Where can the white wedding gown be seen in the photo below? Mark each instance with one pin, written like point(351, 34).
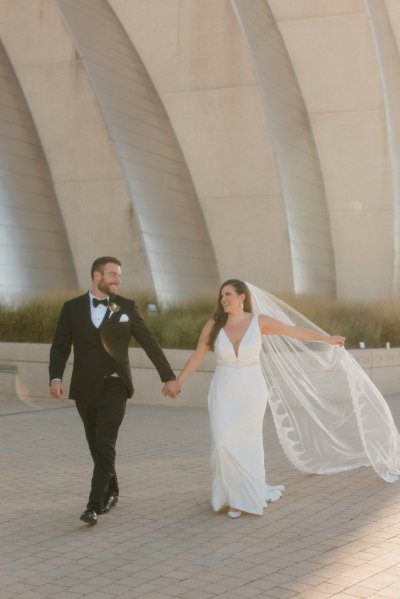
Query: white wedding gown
point(237, 401)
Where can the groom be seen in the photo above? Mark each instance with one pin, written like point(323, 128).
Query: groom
point(99, 326)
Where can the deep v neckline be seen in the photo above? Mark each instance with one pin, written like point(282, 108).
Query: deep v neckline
point(243, 336)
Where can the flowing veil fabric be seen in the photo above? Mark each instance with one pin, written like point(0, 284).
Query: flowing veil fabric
point(329, 415)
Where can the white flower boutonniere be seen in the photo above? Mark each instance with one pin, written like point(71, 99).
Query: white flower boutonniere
point(115, 307)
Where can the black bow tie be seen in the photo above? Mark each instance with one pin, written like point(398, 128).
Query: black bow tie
point(96, 301)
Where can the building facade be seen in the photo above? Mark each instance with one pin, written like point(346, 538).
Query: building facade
point(199, 140)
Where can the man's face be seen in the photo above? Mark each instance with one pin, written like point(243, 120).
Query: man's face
point(108, 281)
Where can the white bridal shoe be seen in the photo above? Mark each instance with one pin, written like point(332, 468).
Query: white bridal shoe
point(234, 514)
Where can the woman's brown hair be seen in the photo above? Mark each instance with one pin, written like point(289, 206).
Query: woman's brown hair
point(220, 317)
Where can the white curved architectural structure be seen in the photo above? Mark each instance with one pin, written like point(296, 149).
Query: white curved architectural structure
point(203, 139)
point(303, 192)
point(34, 252)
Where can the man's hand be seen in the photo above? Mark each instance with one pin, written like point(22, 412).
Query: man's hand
point(171, 389)
point(57, 390)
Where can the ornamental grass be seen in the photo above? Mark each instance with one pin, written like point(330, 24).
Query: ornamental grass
point(178, 326)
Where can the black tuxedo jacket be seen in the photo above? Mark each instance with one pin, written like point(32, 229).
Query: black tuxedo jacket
point(99, 352)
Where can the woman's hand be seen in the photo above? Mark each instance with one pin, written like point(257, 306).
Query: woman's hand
point(336, 340)
point(171, 389)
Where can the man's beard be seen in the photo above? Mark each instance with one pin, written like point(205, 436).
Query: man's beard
point(105, 288)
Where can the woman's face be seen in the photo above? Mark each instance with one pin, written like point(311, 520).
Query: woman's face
point(230, 300)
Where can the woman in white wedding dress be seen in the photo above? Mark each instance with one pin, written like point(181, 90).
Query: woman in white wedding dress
point(238, 397)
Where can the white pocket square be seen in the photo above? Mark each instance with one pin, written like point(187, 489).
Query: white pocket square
point(124, 318)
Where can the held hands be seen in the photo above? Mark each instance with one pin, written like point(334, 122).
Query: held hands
point(57, 390)
point(171, 389)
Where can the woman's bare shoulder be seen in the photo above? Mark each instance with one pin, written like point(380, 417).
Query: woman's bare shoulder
point(208, 326)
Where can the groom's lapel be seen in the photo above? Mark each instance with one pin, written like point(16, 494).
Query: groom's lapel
point(107, 316)
point(111, 317)
point(85, 316)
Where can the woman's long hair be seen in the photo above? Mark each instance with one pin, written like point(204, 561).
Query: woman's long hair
point(220, 317)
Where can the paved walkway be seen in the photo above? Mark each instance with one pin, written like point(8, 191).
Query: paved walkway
point(330, 536)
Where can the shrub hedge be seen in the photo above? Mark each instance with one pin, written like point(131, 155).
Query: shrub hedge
point(178, 326)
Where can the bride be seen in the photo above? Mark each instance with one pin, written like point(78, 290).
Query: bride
point(328, 414)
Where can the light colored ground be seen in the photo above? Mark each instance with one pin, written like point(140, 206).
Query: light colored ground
point(330, 536)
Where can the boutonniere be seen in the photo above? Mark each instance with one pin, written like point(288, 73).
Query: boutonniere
point(115, 307)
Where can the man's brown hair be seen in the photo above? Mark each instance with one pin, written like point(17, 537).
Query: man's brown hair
point(99, 264)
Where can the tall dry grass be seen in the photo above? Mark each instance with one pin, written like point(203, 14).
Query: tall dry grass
point(375, 323)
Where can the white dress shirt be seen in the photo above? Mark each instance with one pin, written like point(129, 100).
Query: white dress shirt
point(97, 314)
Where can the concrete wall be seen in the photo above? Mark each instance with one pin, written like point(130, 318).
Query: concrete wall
point(86, 176)
point(24, 374)
point(200, 60)
point(332, 49)
point(203, 72)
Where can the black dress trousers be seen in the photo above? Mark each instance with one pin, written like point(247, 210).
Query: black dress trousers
point(102, 416)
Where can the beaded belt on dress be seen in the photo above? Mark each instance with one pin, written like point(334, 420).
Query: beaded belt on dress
point(237, 363)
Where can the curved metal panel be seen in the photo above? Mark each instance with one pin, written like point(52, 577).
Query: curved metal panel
point(303, 190)
point(389, 67)
point(34, 252)
point(165, 204)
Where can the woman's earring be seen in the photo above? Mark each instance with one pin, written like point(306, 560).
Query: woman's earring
point(241, 305)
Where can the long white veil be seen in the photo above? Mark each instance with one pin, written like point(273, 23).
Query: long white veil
point(329, 415)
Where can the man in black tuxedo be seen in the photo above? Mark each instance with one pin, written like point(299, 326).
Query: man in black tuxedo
point(99, 326)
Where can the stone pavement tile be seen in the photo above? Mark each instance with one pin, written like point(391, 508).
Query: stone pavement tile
point(390, 592)
point(363, 573)
point(146, 588)
point(132, 595)
point(346, 581)
point(314, 594)
point(331, 588)
point(229, 595)
point(381, 581)
point(303, 569)
point(131, 582)
point(196, 583)
point(197, 594)
point(327, 557)
point(360, 591)
point(313, 580)
point(177, 574)
point(216, 588)
point(279, 593)
point(163, 582)
point(246, 591)
point(17, 588)
point(296, 585)
point(212, 576)
point(326, 525)
point(266, 584)
point(232, 583)
point(175, 590)
point(387, 560)
point(332, 570)
point(64, 594)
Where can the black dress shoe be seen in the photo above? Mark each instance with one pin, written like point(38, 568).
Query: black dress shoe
point(89, 517)
point(111, 500)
